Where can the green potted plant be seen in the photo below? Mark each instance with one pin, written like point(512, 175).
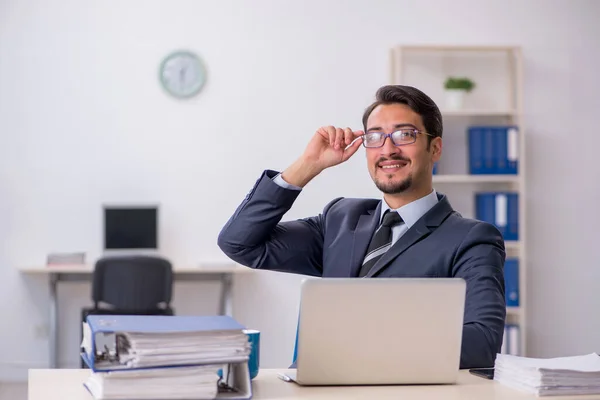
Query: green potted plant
point(456, 90)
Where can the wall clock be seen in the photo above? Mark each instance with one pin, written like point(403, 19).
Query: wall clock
point(182, 74)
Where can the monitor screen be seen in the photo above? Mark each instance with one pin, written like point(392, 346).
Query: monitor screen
point(130, 228)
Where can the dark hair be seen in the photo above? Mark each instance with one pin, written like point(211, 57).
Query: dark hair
point(418, 101)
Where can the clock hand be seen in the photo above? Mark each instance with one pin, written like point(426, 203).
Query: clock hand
point(182, 75)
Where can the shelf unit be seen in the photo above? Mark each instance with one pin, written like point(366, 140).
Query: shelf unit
point(496, 99)
point(465, 178)
point(477, 112)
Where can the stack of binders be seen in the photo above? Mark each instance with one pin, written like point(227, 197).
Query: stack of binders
point(166, 357)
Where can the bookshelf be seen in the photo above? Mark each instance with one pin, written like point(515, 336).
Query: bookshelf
point(465, 178)
point(478, 112)
point(496, 100)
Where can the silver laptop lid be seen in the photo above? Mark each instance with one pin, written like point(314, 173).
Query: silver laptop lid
point(380, 331)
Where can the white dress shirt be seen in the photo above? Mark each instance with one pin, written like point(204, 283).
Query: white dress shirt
point(410, 213)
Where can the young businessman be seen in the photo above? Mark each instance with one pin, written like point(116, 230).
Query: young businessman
point(412, 232)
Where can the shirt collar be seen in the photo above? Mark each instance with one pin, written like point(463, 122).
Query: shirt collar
point(411, 212)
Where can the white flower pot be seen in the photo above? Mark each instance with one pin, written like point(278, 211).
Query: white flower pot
point(455, 99)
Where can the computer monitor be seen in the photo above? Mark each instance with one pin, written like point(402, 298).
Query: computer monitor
point(130, 228)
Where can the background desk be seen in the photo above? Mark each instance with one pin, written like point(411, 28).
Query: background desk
point(67, 384)
point(221, 272)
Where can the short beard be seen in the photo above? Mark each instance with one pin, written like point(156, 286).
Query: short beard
point(395, 187)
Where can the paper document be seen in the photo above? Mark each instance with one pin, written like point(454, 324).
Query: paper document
point(198, 382)
point(551, 376)
point(138, 350)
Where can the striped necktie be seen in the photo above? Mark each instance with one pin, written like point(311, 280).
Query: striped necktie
point(381, 241)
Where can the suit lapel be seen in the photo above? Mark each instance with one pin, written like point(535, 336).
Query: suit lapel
point(428, 222)
point(362, 237)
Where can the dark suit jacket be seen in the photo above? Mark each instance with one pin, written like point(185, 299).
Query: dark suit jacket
point(333, 244)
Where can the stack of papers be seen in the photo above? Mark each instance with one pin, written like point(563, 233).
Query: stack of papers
point(140, 350)
point(552, 376)
point(127, 342)
point(198, 382)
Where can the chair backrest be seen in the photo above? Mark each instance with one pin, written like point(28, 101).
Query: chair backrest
point(133, 283)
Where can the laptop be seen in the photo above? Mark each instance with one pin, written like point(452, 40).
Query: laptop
point(379, 331)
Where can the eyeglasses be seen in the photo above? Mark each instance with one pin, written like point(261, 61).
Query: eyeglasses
point(400, 137)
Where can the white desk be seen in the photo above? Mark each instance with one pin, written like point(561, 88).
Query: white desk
point(221, 272)
point(67, 384)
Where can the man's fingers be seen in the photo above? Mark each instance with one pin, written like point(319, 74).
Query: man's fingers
point(356, 135)
point(348, 136)
point(350, 150)
point(339, 138)
point(331, 134)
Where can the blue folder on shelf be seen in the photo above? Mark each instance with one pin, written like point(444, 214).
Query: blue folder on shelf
point(493, 149)
point(500, 209)
point(511, 281)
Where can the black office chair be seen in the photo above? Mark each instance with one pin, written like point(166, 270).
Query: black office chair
point(131, 285)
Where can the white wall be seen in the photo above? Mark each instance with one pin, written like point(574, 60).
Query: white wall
point(83, 121)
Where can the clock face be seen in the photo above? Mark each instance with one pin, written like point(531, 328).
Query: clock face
point(182, 74)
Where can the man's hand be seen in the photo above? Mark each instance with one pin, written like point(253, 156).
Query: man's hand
point(329, 146)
